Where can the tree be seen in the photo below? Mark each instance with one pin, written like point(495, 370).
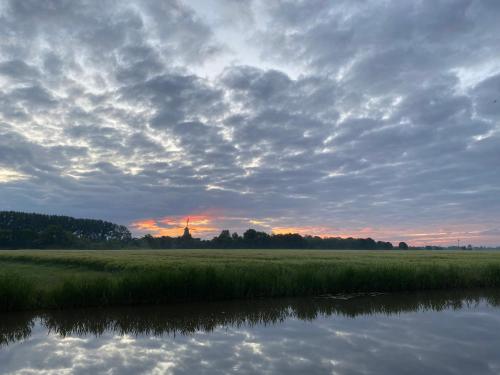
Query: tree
point(384, 245)
point(150, 241)
point(6, 240)
point(29, 230)
point(288, 241)
point(86, 229)
point(254, 239)
point(403, 246)
point(56, 237)
point(223, 240)
point(250, 235)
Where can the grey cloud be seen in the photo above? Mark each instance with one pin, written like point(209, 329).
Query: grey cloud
point(191, 37)
point(487, 97)
point(110, 35)
point(431, 132)
point(105, 138)
point(18, 70)
point(139, 62)
point(143, 143)
point(329, 34)
point(34, 96)
point(19, 152)
point(101, 106)
point(52, 64)
point(174, 97)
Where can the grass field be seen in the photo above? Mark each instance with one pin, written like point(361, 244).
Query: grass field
point(56, 279)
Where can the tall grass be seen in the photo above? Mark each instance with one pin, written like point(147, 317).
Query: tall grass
point(220, 281)
point(17, 292)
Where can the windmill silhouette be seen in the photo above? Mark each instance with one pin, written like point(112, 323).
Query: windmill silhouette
point(186, 234)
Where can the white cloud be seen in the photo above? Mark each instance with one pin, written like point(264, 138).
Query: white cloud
point(9, 175)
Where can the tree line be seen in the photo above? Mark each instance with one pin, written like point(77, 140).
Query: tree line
point(252, 239)
point(38, 231)
point(20, 230)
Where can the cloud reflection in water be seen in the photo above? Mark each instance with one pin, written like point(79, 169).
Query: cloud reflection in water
point(412, 334)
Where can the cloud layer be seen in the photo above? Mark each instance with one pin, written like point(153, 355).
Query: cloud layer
point(339, 117)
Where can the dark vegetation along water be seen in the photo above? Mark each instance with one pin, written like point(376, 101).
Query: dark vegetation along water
point(62, 279)
point(454, 332)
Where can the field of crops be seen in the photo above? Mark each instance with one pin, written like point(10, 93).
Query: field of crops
point(56, 279)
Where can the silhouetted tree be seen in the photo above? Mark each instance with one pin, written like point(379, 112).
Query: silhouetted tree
point(403, 246)
point(55, 237)
point(23, 230)
point(223, 240)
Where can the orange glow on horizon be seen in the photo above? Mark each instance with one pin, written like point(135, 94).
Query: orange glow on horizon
point(308, 230)
point(322, 231)
point(206, 225)
point(439, 237)
point(173, 226)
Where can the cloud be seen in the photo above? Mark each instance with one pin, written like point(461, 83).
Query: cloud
point(338, 115)
point(8, 175)
point(292, 339)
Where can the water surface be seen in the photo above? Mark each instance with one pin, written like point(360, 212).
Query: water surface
point(446, 333)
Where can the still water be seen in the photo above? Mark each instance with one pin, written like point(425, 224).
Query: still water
point(445, 333)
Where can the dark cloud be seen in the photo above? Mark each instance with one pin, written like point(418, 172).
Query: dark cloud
point(114, 110)
point(487, 98)
point(174, 98)
point(18, 70)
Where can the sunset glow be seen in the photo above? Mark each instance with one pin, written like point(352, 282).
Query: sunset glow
point(173, 226)
point(445, 237)
point(207, 226)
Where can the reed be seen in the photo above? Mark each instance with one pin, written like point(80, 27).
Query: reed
point(61, 279)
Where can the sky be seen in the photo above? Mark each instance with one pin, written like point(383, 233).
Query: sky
point(367, 118)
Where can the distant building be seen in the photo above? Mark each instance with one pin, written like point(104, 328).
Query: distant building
point(186, 235)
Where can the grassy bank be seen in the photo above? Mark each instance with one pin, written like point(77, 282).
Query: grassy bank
point(56, 279)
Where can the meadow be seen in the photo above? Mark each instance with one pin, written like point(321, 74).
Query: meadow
point(32, 279)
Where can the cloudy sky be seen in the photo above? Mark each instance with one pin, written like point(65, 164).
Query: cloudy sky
point(366, 118)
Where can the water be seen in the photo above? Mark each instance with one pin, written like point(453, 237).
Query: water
point(445, 333)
